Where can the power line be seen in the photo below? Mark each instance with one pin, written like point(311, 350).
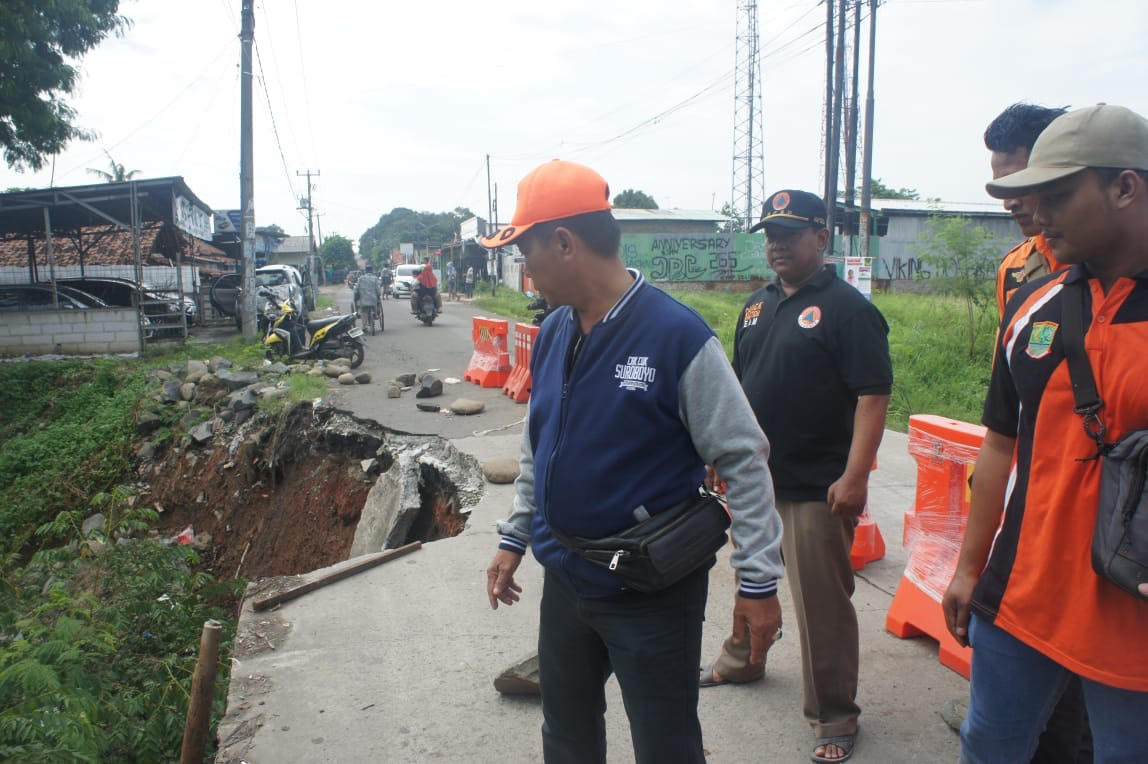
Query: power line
point(303, 73)
point(158, 114)
point(282, 90)
point(274, 129)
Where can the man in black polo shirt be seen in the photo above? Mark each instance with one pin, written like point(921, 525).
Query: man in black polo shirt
point(812, 356)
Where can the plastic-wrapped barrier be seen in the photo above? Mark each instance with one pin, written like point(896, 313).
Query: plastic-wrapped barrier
point(517, 385)
point(490, 363)
point(945, 451)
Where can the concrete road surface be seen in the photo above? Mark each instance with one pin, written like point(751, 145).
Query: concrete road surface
point(395, 664)
point(406, 345)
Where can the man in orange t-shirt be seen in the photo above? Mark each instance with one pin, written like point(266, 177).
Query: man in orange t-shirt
point(1024, 593)
point(1010, 138)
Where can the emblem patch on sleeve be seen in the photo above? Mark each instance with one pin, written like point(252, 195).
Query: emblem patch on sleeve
point(1040, 339)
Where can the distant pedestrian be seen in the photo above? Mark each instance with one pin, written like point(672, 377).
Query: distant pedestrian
point(470, 281)
point(451, 281)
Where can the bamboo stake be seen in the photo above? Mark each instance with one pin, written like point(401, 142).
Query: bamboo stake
point(202, 693)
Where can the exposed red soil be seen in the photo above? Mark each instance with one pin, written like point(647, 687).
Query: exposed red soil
point(278, 510)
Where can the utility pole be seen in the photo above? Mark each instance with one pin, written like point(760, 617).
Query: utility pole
point(489, 202)
point(247, 170)
point(851, 132)
point(828, 142)
point(867, 159)
point(494, 263)
point(319, 226)
point(307, 206)
point(835, 153)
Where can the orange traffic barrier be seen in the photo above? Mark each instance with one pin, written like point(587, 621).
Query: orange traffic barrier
point(517, 385)
point(490, 364)
point(946, 451)
point(868, 544)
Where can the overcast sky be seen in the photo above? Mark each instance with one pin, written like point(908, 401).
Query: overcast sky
point(398, 103)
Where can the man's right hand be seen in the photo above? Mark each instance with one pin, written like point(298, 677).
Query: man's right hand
point(762, 618)
point(955, 605)
point(500, 583)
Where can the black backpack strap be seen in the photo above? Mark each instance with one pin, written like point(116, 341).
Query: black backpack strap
point(1084, 393)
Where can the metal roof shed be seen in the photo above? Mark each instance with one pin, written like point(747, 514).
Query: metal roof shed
point(35, 214)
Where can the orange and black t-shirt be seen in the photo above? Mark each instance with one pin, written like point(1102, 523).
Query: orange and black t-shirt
point(1027, 261)
point(1039, 584)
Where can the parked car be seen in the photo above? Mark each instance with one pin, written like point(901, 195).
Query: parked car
point(287, 283)
point(404, 278)
point(37, 297)
point(161, 307)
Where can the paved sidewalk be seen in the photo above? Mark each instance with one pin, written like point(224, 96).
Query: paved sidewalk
point(396, 664)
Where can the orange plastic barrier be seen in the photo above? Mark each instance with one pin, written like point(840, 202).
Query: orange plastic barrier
point(517, 385)
point(946, 451)
point(868, 544)
point(490, 364)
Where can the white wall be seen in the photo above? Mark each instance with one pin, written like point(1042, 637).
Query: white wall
point(72, 332)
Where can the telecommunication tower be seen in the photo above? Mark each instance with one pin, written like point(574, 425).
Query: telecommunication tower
point(748, 154)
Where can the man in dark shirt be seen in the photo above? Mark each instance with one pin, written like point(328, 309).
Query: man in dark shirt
point(812, 356)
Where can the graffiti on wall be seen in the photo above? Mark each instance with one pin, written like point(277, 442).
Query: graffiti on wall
point(696, 257)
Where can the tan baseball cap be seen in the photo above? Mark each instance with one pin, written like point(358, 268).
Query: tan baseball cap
point(1096, 136)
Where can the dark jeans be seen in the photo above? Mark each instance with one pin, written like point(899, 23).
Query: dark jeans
point(1013, 691)
point(652, 642)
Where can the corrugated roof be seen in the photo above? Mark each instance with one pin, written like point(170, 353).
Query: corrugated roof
point(912, 206)
point(677, 216)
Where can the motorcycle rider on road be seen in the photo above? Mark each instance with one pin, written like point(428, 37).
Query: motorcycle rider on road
point(425, 283)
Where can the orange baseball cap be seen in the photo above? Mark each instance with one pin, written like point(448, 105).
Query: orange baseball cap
point(552, 191)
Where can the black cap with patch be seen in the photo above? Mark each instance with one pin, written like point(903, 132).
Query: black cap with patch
point(792, 209)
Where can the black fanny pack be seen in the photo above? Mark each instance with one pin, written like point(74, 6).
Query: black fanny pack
point(658, 552)
point(1120, 537)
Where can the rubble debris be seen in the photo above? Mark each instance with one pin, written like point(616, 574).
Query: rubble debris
point(429, 387)
point(500, 471)
point(467, 407)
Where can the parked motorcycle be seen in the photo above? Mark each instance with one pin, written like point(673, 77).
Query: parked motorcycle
point(328, 338)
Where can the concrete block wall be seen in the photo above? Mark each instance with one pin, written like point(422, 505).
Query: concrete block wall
point(78, 332)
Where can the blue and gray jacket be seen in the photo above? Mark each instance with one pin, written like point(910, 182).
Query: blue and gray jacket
point(649, 400)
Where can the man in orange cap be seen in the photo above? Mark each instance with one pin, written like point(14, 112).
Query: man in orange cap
point(632, 396)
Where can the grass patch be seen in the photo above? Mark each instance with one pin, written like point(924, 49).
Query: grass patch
point(506, 303)
point(245, 355)
point(324, 301)
point(300, 387)
point(94, 664)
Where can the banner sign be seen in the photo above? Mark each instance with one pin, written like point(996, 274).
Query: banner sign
point(192, 219)
point(697, 257)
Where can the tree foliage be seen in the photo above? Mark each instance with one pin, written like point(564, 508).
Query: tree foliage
point(271, 230)
point(879, 190)
point(337, 252)
point(406, 225)
point(735, 224)
point(963, 258)
point(40, 44)
point(116, 172)
point(633, 199)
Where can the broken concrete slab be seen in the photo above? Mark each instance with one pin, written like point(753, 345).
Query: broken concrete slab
point(171, 391)
point(202, 432)
point(406, 380)
point(394, 391)
point(429, 387)
point(235, 380)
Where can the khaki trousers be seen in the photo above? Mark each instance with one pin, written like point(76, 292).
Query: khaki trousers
point(815, 546)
